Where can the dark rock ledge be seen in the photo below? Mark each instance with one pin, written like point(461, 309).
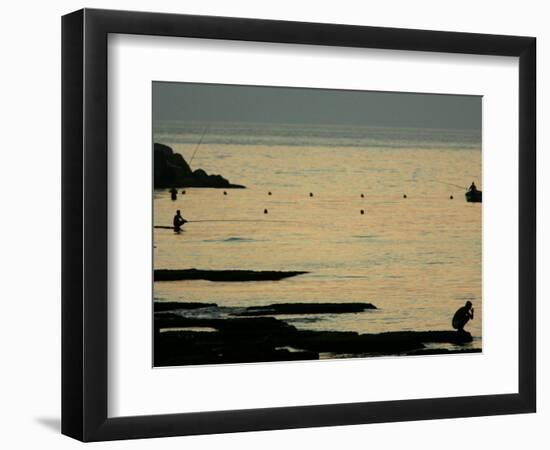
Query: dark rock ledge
point(172, 306)
point(223, 275)
point(261, 339)
point(171, 170)
point(306, 308)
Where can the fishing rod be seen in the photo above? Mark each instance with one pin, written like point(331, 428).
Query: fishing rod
point(199, 144)
point(240, 220)
point(450, 184)
point(166, 227)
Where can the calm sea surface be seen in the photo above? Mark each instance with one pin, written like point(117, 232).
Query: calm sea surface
point(417, 259)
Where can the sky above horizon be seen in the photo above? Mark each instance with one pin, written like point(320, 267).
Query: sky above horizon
point(213, 103)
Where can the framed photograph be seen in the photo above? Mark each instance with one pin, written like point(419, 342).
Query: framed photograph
point(273, 224)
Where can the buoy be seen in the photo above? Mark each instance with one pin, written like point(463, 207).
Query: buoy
point(404, 195)
point(265, 211)
point(362, 211)
point(311, 194)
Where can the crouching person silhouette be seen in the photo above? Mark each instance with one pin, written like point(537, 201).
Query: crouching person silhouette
point(178, 221)
point(462, 317)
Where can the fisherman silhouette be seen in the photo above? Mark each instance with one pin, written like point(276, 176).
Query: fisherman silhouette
point(462, 316)
point(473, 187)
point(178, 221)
point(174, 193)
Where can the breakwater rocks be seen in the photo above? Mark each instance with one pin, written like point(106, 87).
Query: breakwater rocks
point(181, 340)
point(306, 308)
point(223, 275)
point(171, 306)
point(171, 170)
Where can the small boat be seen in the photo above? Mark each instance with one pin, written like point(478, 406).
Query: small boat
point(473, 196)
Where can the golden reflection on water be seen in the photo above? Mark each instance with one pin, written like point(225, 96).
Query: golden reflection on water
point(417, 259)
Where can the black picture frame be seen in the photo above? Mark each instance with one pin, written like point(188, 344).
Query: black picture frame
point(84, 224)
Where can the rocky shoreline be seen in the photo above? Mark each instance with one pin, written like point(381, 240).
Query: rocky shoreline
point(255, 337)
point(223, 275)
point(172, 171)
point(306, 308)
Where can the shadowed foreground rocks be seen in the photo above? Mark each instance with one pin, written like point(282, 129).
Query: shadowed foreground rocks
point(171, 170)
point(222, 275)
point(235, 341)
point(182, 341)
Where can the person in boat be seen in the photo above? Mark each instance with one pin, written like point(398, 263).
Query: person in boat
point(178, 221)
point(174, 193)
point(473, 187)
point(462, 316)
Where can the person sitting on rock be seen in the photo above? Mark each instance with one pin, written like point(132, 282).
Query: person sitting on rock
point(473, 187)
point(178, 221)
point(462, 316)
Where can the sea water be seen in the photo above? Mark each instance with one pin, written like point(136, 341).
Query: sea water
point(417, 259)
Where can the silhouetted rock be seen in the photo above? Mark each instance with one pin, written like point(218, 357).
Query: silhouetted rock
point(306, 308)
point(171, 306)
point(444, 351)
point(183, 348)
point(251, 326)
point(222, 275)
point(171, 170)
point(256, 339)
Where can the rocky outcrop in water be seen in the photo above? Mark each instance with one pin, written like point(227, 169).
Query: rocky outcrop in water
point(171, 170)
point(222, 275)
point(306, 308)
point(179, 341)
point(171, 306)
